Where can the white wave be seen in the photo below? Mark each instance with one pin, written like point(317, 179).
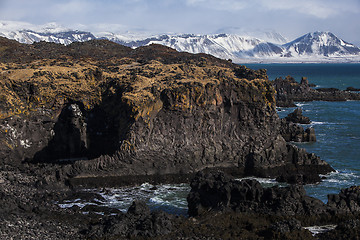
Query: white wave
point(320, 229)
point(332, 180)
point(318, 123)
point(70, 205)
point(169, 196)
point(71, 201)
point(158, 200)
point(146, 186)
point(341, 179)
point(265, 182)
point(300, 104)
point(341, 174)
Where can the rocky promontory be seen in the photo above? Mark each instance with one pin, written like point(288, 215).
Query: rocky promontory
point(98, 112)
point(289, 91)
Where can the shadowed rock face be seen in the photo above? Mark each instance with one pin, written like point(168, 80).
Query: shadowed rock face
point(146, 112)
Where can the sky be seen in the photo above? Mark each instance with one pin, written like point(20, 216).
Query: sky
point(291, 18)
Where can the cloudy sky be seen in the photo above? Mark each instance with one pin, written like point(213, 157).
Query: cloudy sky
point(291, 18)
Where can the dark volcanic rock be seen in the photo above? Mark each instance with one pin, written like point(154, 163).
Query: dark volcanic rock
point(137, 222)
point(217, 191)
point(292, 131)
point(297, 117)
point(95, 110)
point(349, 229)
point(347, 201)
point(289, 91)
point(139, 208)
point(286, 226)
point(353, 89)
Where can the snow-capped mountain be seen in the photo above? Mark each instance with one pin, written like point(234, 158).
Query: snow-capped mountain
point(52, 32)
point(312, 47)
point(29, 36)
point(319, 44)
point(226, 46)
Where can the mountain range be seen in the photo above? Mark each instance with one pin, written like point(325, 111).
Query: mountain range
point(271, 47)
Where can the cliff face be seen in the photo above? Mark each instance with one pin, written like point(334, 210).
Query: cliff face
point(149, 111)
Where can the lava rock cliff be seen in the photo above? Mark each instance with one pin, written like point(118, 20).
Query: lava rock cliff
point(98, 109)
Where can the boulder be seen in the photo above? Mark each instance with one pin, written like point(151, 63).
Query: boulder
point(347, 201)
point(137, 222)
point(215, 191)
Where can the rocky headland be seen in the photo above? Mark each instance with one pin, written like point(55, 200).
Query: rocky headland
point(100, 114)
point(289, 91)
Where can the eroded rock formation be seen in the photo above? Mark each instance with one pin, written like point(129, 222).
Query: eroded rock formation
point(150, 111)
point(293, 132)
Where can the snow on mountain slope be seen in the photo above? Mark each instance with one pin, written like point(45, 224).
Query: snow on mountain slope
point(51, 32)
point(312, 47)
point(265, 35)
point(226, 46)
point(319, 44)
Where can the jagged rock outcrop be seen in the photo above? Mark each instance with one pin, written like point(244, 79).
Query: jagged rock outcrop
point(289, 91)
point(217, 192)
point(297, 117)
point(347, 201)
point(137, 222)
point(97, 109)
point(293, 132)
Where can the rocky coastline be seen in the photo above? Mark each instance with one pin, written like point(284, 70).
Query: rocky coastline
point(147, 112)
point(98, 114)
point(289, 91)
point(220, 207)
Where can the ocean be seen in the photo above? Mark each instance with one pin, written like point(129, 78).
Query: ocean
point(337, 128)
point(337, 124)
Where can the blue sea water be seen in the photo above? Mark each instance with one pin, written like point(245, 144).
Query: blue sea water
point(337, 127)
point(340, 75)
point(337, 124)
